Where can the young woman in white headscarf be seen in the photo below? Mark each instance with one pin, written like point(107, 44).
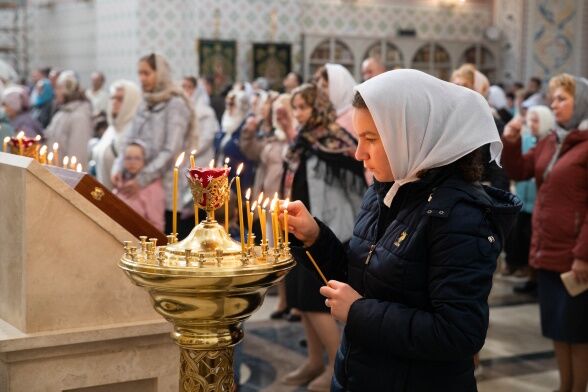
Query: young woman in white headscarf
point(165, 123)
point(559, 243)
point(412, 286)
point(125, 99)
point(71, 127)
point(322, 174)
point(337, 82)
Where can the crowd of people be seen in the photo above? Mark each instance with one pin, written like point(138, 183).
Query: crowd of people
point(415, 144)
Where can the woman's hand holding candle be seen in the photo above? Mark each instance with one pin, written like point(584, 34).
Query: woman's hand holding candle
point(340, 297)
point(302, 224)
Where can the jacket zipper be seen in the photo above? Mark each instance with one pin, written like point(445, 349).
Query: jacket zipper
point(370, 253)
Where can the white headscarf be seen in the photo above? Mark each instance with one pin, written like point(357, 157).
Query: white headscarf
point(341, 85)
point(130, 104)
point(497, 98)
point(425, 122)
point(546, 120)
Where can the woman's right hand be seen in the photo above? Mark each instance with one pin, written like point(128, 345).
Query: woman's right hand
point(512, 130)
point(301, 223)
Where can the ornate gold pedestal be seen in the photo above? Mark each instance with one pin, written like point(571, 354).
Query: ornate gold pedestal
point(206, 287)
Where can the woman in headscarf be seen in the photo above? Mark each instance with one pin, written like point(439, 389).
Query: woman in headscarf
point(412, 286)
point(337, 82)
point(71, 126)
point(15, 101)
point(125, 98)
point(559, 164)
point(166, 125)
point(320, 172)
point(42, 96)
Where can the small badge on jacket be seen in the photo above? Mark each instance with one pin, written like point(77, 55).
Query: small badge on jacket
point(401, 238)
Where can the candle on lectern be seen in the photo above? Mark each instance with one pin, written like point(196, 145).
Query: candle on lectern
point(19, 138)
point(192, 159)
point(37, 147)
point(5, 144)
point(175, 195)
point(42, 154)
point(275, 229)
point(65, 161)
point(73, 161)
point(227, 200)
point(250, 240)
point(50, 158)
point(79, 167)
point(259, 203)
point(240, 205)
point(286, 222)
point(263, 222)
point(249, 220)
point(56, 153)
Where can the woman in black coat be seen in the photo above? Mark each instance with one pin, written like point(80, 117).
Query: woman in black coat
point(413, 284)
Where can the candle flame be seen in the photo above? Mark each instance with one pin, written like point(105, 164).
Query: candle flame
point(6, 139)
point(193, 152)
point(286, 202)
point(73, 160)
point(240, 168)
point(227, 160)
point(248, 193)
point(20, 135)
point(65, 160)
point(260, 199)
point(55, 146)
point(211, 163)
point(38, 138)
point(50, 156)
point(265, 203)
point(273, 204)
point(254, 206)
point(79, 168)
point(43, 150)
point(180, 159)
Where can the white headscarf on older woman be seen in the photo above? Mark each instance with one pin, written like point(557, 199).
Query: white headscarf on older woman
point(425, 122)
point(341, 85)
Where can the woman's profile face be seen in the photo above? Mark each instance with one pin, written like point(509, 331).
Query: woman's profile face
point(562, 105)
point(370, 148)
point(147, 77)
point(301, 110)
point(533, 123)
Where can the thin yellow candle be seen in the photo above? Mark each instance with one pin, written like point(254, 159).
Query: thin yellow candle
point(175, 195)
point(192, 159)
point(5, 144)
point(286, 221)
point(264, 221)
point(275, 230)
point(253, 206)
point(249, 220)
point(56, 153)
point(73, 161)
point(50, 158)
point(65, 161)
point(37, 147)
point(42, 154)
point(240, 205)
point(79, 168)
point(317, 268)
point(278, 233)
point(259, 203)
point(19, 138)
point(227, 200)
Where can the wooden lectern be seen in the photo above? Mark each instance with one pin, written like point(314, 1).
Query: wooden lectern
point(67, 313)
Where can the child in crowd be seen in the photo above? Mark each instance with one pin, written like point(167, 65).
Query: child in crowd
point(149, 202)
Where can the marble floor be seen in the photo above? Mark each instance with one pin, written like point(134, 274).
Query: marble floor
point(515, 358)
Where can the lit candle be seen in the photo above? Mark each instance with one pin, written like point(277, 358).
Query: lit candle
point(19, 138)
point(211, 163)
point(240, 206)
point(192, 159)
point(65, 161)
point(249, 220)
point(275, 230)
point(263, 221)
point(79, 168)
point(73, 162)
point(37, 147)
point(175, 195)
point(56, 153)
point(42, 154)
point(227, 200)
point(50, 158)
point(286, 222)
point(5, 144)
point(278, 234)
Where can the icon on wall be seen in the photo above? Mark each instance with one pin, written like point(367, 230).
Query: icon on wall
point(218, 58)
point(273, 62)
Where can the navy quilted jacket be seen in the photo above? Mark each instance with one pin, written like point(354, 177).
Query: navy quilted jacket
point(424, 267)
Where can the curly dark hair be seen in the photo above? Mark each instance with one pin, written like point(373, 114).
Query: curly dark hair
point(470, 166)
